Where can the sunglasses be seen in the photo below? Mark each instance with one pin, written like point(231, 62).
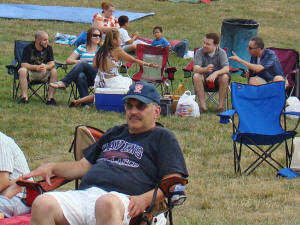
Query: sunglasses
point(96, 35)
point(139, 106)
point(251, 48)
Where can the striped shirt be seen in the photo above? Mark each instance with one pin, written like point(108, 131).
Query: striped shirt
point(12, 159)
point(83, 54)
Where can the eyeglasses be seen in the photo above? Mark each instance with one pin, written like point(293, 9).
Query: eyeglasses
point(139, 106)
point(251, 48)
point(96, 35)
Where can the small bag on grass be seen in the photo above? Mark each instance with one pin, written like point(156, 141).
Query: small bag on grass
point(187, 106)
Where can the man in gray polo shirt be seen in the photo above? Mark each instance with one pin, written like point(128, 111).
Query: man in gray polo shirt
point(211, 71)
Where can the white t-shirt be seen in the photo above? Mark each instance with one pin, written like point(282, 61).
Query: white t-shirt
point(124, 36)
point(12, 158)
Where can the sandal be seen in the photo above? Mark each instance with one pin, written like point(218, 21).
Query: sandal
point(58, 85)
point(73, 104)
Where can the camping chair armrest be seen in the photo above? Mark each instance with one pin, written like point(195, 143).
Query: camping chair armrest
point(11, 67)
point(34, 189)
point(235, 70)
point(43, 185)
point(225, 116)
point(170, 71)
point(166, 184)
point(62, 65)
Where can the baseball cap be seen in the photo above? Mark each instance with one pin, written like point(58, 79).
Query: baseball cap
point(144, 92)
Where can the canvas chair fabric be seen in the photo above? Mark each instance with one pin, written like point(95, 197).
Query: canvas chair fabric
point(259, 109)
point(13, 69)
point(159, 76)
point(289, 60)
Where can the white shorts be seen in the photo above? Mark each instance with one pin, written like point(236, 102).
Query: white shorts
point(78, 206)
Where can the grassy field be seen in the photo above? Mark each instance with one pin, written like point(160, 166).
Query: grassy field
point(215, 194)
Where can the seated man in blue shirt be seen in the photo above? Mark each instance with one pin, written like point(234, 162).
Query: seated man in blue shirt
point(119, 172)
point(264, 64)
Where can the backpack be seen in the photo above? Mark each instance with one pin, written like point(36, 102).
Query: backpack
point(181, 48)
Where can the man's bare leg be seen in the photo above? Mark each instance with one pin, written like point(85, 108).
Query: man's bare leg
point(109, 210)
point(257, 81)
point(198, 80)
point(46, 211)
point(278, 78)
point(53, 78)
point(223, 88)
point(23, 73)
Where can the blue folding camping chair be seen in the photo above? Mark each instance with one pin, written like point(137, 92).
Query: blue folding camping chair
point(259, 110)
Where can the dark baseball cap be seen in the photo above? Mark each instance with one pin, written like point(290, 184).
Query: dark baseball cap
point(144, 92)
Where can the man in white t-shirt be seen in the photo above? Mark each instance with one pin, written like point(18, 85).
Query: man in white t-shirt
point(12, 165)
point(127, 41)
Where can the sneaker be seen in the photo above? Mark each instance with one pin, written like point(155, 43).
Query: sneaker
point(51, 102)
point(23, 101)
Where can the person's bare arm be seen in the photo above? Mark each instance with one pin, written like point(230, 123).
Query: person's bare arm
point(139, 203)
point(256, 68)
point(73, 59)
point(4, 180)
point(31, 67)
point(67, 170)
point(203, 70)
point(134, 36)
point(50, 65)
point(126, 57)
point(214, 75)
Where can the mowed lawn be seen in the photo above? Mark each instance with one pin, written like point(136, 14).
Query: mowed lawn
point(215, 194)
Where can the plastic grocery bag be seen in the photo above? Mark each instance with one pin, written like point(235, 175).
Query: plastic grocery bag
point(187, 106)
point(293, 106)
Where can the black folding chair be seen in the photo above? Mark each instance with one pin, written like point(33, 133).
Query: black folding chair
point(13, 68)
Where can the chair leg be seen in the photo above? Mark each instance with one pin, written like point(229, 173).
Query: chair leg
point(210, 97)
point(35, 92)
point(73, 93)
point(263, 156)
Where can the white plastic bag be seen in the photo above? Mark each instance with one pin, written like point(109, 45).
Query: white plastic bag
point(187, 106)
point(295, 163)
point(293, 106)
point(118, 82)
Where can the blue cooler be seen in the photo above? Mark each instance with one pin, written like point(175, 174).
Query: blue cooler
point(109, 99)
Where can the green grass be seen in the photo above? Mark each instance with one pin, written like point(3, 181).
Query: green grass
point(215, 194)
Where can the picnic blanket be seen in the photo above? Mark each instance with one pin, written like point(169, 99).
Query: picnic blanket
point(61, 13)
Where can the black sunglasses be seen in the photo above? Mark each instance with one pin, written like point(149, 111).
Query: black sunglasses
point(139, 106)
point(96, 35)
point(251, 48)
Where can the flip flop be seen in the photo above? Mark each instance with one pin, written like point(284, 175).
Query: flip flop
point(58, 85)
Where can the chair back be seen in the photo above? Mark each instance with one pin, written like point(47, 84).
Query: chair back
point(259, 107)
point(18, 51)
point(289, 59)
point(155, 55)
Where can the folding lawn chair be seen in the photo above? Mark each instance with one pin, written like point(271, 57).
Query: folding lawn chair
point(289, 60)
point(13, 69)
point(159, 76)
point(85, 136)
point(74, 93)
point(259, 109)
